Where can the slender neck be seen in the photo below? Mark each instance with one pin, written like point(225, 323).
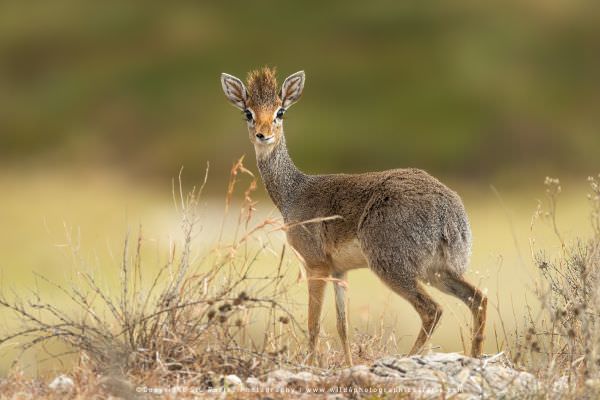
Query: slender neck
point(281, 177)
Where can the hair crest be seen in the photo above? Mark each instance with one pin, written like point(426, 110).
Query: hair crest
point(262, 86)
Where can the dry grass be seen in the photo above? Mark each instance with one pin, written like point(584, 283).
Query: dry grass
point(561, 343)
point(192, 317)
point(189, 323)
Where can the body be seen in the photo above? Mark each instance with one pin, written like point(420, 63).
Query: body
point(403, 224)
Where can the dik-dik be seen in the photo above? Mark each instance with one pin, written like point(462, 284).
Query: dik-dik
point(403, 224)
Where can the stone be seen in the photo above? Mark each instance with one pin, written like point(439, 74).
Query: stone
point(62, 384)
point(429, 376)
point(232, 381)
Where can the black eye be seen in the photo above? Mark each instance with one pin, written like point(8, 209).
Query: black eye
point(248, 115)
point(280, 113)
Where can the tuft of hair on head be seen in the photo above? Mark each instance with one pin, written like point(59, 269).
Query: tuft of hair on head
point(262, 86)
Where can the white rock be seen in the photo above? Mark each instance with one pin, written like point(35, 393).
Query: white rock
point(429, 376)
point(232, 381)
point(62, 384)
point(303, 378)
point(280, 375)
point(462, 376)
point(443, 357)
point(253, 382)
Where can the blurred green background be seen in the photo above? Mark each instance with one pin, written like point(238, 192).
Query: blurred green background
point(102, 102)
point(461, 88)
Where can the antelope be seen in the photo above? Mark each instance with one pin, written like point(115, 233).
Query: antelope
point(405, 225)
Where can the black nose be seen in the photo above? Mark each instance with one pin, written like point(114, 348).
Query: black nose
point(260, 136)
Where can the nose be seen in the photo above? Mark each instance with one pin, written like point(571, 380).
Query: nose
point(260, 136)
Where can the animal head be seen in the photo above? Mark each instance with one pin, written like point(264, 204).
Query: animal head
point(263, 106)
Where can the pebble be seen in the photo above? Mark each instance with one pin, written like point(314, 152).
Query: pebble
point(62, 384)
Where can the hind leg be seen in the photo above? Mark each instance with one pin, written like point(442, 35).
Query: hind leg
point(474, 298)
point(429, 311)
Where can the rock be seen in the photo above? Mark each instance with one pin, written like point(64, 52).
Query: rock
point(232, 381)
point(305, 377)
point(62, 384)
point(279, 379)
point(444, 358)
point(429, 376)
point(360, 375)
point(252, 382)
point(280, 375)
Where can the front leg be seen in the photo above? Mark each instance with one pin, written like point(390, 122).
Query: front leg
point(342, 315)
point(317, 279)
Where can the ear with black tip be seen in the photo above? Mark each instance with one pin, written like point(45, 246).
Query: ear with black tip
point(291, 90)
point(235, 91)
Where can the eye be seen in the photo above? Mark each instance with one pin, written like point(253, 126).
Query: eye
point(248, 115)
point(280, 113)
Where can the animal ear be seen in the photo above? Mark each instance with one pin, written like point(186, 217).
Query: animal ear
point(291, 90)
point(234, 90)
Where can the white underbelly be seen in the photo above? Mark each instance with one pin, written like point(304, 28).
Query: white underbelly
point(348, 256)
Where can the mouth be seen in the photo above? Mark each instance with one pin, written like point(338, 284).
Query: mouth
point(266, 139)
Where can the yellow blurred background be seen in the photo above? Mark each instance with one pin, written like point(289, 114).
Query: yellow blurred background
point(101, 103)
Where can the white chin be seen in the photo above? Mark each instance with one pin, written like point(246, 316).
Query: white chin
point(264, 147)
point(266, 141)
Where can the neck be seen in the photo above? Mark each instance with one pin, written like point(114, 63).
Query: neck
point(280, 175)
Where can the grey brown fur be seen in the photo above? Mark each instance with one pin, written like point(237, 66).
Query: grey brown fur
point(403, 224)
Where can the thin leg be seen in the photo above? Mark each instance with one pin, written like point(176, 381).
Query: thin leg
point(429, 311)
point(316, 293)
point(473, 298)
point(342, 317)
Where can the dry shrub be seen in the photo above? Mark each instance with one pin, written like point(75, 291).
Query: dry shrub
point(191, 322)
point(562, 343)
